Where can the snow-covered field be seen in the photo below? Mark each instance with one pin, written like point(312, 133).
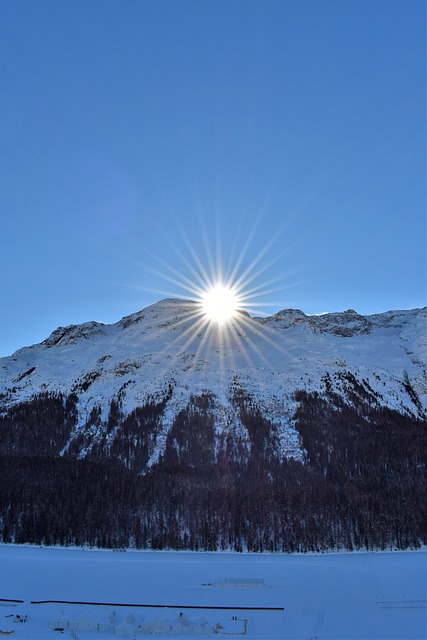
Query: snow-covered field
point(362, 596)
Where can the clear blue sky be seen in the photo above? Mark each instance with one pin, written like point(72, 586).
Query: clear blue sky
point(134, 131)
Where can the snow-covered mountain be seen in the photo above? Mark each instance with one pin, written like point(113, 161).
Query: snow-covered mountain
point(285, 433)
point(168, 353)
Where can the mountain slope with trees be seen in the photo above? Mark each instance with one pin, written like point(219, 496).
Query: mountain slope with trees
point(296, 436)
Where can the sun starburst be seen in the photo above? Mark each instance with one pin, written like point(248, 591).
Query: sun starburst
point(220, 303)
point(217, 292)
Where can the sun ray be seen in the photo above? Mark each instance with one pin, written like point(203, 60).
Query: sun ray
point(211, 336)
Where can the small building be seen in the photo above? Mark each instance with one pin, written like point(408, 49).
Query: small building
point(60, 621)
point(241, 583)
point(109, 620)
point(185, 625)
point(126, 630)
point(154, 624)
point(84, 623)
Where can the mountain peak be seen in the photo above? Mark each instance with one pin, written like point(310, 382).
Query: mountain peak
point(167, 310)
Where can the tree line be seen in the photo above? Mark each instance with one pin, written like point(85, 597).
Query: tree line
point(361, 485)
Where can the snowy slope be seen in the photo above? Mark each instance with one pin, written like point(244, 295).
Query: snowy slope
point(326, 596)
point(170, 346)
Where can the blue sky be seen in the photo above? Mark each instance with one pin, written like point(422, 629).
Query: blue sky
point(143, 141)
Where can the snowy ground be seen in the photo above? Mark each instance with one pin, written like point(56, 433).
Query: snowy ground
point(360, 596)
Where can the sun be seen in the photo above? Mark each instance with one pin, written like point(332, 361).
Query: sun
point(220, 304)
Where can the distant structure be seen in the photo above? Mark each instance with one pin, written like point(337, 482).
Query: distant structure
point(152, 624)
point(240, 583)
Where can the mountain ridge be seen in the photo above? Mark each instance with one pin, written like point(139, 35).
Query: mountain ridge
point(167, 346)
point(343, 317)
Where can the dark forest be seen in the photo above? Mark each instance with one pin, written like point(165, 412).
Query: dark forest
point(362, 484)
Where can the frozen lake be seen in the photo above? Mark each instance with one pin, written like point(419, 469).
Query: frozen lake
point(358, 596)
